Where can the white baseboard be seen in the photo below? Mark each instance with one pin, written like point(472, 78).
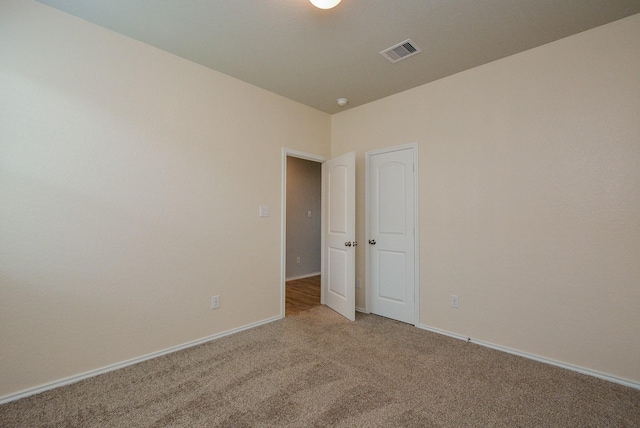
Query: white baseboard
point(76, 378)
point(361, 310)
point(116, 366)
point(306, 275)
point(599, 375)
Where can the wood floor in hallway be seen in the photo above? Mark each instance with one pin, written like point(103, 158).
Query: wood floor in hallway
point(302, 294)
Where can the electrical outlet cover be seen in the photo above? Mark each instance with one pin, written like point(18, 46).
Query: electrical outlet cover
point(454, 301)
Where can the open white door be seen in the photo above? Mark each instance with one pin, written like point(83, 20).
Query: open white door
point(338, 234)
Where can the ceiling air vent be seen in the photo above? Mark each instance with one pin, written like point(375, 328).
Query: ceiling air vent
point(401, 51)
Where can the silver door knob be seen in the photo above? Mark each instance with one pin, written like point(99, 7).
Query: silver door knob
point(347, 244)
point(372, 241)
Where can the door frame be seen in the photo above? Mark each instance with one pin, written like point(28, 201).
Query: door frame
point(416, 223)
point(283, 218)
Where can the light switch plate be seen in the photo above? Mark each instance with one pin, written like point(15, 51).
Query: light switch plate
point(264, 211)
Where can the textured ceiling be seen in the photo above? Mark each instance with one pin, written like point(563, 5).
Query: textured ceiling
point(316, 56)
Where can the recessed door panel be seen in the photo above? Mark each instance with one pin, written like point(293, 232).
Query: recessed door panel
point(391, 273)
point(338, 260)
point(338, 220)
point(392, 205)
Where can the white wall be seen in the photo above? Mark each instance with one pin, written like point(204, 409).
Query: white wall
point(304, 195)
point(529, 197)
point(130, 181)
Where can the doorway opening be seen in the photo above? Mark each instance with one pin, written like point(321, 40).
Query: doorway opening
point(302, 210)
point(302, 294)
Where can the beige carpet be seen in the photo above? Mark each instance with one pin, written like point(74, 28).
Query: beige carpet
point(317, 369)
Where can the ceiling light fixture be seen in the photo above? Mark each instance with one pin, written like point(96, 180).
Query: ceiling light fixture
point(325, 4)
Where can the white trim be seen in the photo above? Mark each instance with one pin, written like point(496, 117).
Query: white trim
point(283, 217)
point(585, 371)
point(367, 279)
point(362, 310)
point(416, 230)
point(416, 223)
point(443, 332)
point(91, 373)
point(306, 275)
point(303, 155)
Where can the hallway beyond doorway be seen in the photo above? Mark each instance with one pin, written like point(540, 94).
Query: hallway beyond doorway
point(302, 294)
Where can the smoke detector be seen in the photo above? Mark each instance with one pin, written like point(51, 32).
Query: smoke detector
point(401, 51)
point(342, 102)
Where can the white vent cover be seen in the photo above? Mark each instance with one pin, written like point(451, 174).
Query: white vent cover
point(401, 51)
